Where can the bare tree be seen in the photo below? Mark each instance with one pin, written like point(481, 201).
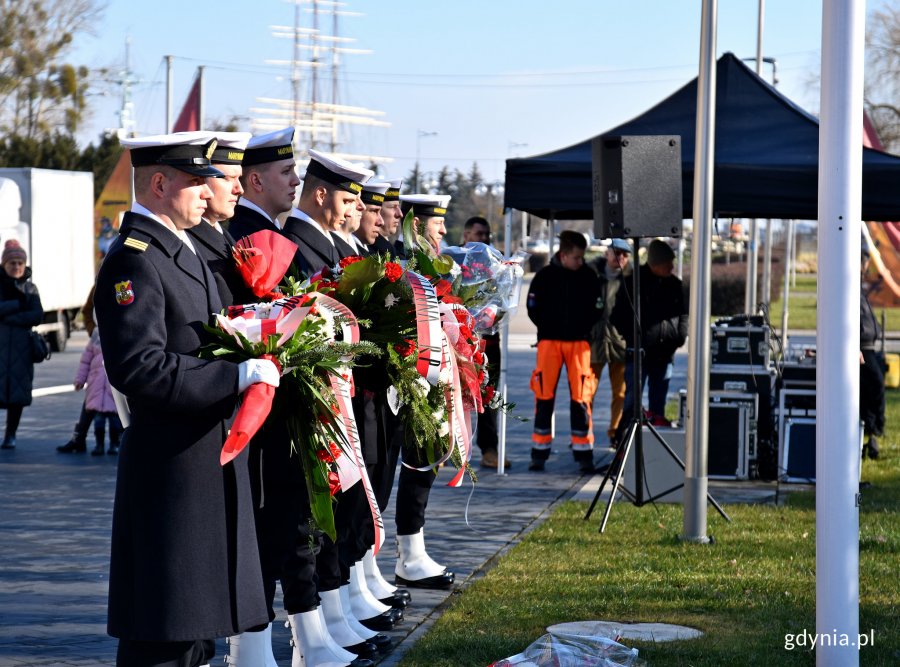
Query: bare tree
point(39, 92)
point(882, 87)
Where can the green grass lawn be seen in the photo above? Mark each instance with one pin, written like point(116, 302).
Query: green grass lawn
point(755, 585)
point(802, 313)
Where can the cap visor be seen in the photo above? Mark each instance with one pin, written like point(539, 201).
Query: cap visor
point(200, 170)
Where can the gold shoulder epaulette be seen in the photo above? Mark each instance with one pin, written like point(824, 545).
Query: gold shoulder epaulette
point(133, 243)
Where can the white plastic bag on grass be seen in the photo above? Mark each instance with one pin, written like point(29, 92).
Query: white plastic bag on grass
point(569, 650)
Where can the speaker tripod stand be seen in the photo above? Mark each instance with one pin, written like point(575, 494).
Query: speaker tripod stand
point(634, 431)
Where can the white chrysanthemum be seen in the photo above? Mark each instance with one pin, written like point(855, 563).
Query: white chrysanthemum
point(444, 429)
point(423, 386)
point(390, 300)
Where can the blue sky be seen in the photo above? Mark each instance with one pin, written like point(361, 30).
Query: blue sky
point(487, 76)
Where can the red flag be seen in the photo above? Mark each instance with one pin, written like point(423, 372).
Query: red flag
point(189, 118)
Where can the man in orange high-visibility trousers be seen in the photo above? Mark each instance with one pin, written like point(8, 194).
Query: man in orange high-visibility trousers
point(564, 302)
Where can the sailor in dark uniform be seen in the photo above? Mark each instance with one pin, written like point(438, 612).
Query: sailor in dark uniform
point(343, 235)
point(370, 223)
point(330, 188)
point(414, 566)
point(353, 517)
point(184, 564)
point(278, 486)
point(212, 242)
point(392, 217)
point(270, 183)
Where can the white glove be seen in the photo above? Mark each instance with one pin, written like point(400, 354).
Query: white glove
point(257, 370)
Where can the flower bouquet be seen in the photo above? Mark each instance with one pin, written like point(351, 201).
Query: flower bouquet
point(399, 311)
point(313, 340)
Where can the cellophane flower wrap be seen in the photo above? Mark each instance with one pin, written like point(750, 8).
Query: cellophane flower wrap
point(477, 280)
point(298, 333)
point(487, 283)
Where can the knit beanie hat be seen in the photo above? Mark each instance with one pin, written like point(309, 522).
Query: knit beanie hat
point(659, 252)
point(12, 250)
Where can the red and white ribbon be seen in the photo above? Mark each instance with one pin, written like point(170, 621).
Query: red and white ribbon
point(428, 326)
point(351, 468)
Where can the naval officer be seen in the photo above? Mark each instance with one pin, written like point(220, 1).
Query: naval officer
point(184, 565)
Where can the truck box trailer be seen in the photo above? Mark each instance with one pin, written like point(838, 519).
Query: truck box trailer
point(55, 224)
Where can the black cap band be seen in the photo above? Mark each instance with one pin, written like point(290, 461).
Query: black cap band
point(225, 155)
point(265, 154)
point(177, 155)
point(372, 198)
point(323, 173)
point(422, 210)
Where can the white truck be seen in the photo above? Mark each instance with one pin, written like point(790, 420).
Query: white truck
point(51, 213)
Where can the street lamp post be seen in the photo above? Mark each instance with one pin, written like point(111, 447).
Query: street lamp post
point(419, 135)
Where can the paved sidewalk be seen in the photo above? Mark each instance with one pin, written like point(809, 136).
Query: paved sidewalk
point(55, 516)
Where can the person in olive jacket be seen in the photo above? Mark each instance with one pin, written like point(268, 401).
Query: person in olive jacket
point(20, 310)
point(663, 326)
point(564, 302)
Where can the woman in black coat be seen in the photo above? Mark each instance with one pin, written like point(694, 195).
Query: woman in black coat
point(20, 310)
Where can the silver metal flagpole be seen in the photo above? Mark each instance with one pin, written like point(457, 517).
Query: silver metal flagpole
point(169, 120)
point(695, 480)
point(786, 284)
point(837, 325)
point(504, 355)
point(751, 297)
point(202, 101)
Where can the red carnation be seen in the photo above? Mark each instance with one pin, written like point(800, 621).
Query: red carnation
point(351, 259)
point(324, 455)
point(405, 348)
point(393, 271)
point(489, 392)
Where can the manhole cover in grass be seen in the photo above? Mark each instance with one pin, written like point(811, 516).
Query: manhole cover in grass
point(647, 632)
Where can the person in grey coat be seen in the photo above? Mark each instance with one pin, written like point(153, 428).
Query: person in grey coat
point(20, 310)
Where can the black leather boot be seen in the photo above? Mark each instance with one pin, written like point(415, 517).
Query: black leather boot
point(100, 435)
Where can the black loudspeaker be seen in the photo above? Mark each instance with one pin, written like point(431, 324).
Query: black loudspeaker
point(637, 186)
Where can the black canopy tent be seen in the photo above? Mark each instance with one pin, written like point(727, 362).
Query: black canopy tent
point(767, 153)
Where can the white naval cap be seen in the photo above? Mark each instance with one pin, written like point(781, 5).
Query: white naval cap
point(426, 206)
point(230, 147)
point(186, 151)
point(373, 192)
point(343, 174)
point(393, 192)
point(271, 147)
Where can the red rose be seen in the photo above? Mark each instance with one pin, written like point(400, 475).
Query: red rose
point(489, 392)
point(351, 259)
point(334, 482)
point(324, 456)
point(335, 450)
point(442, 288)
point(393, 271)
